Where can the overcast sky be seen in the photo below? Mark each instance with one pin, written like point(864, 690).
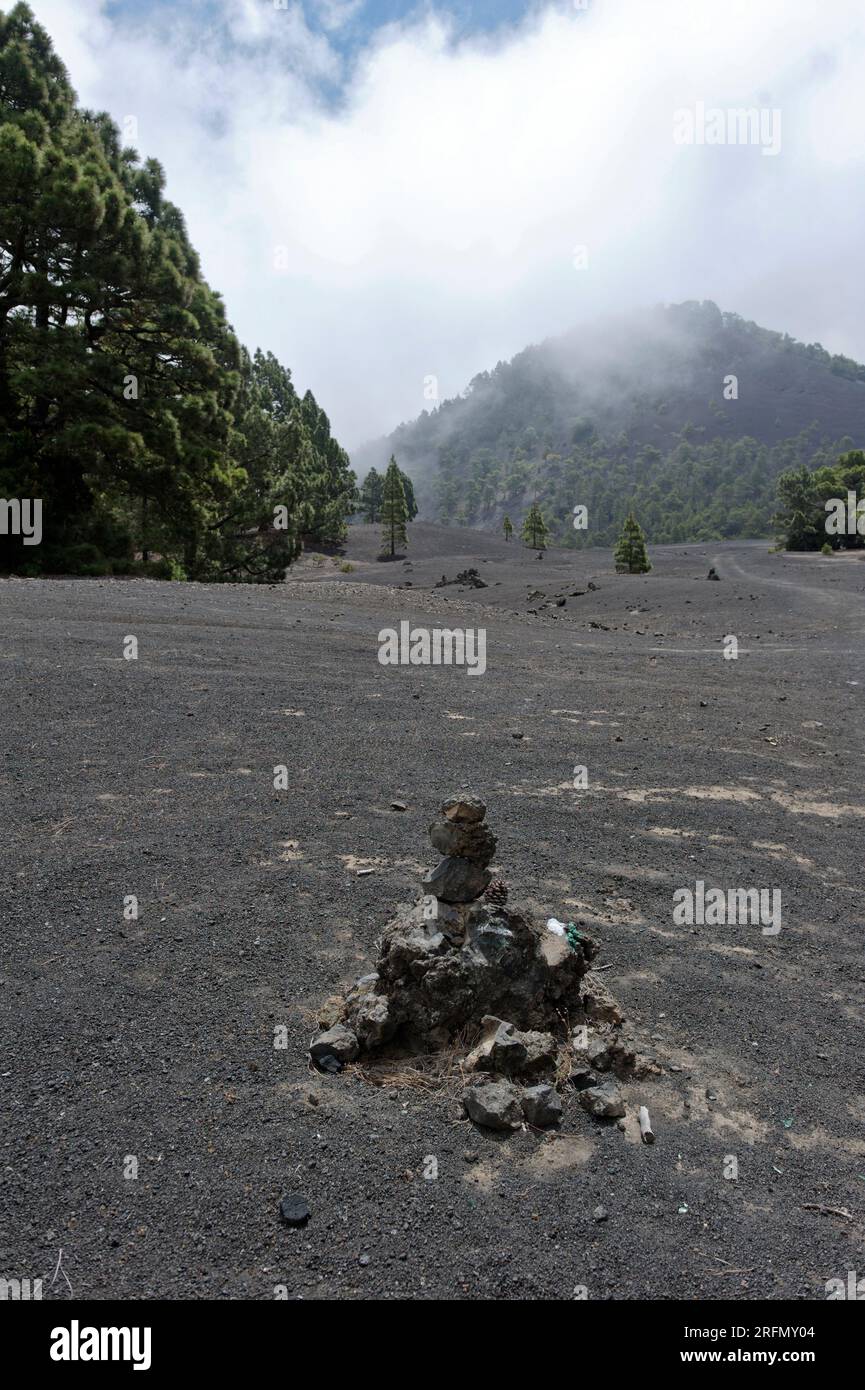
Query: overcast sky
point(385, 192)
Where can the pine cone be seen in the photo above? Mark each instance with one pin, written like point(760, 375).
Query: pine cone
point(497, 893)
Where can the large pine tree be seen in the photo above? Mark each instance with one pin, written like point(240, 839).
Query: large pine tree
point(333, 484)
point(808, 503)
point(126, 402)
point(394, 512)
point(370, 496)
point(371, 492)
point(535, 530)
point(410, 500)
point(630, 554)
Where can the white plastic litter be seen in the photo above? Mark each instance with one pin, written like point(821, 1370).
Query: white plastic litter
point(554, 925)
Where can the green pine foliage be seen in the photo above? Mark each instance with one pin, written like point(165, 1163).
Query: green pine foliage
point(803, 520)
point(372, 491)
point(332, 490)
point(394, 511)
point(698, 491)
point(630, 555)
point(635, 414)
point(535, 531)
point(126, 403)
point(508, 528)
point(408, 492)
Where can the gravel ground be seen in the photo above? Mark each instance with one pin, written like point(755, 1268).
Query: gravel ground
point(153, 1038)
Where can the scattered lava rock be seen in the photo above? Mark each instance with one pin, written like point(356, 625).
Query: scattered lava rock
point(541, 1106)
point(294, 1210)
point(469, 578)
point(338, 1042)
point(605, 1101)
point(505, 1050)
point(494, 1105)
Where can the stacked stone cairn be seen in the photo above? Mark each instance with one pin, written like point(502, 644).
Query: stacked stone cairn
point(461, 968)
point(468, 845)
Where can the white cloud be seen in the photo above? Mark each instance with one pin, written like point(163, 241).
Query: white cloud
point(335, 14)
point(431, 213)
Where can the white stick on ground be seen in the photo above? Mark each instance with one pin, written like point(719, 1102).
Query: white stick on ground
point(646, 1126)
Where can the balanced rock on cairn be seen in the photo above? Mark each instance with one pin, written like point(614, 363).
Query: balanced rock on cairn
point(468, 845)
point(461, 967)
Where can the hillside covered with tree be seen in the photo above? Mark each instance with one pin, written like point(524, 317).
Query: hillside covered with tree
point(155, 441)
point(687, 414)
point(824, 509)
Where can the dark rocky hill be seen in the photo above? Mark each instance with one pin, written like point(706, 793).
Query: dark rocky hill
point(642, 409)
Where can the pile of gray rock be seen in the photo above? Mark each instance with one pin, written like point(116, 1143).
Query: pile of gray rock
point(469, 578)
point(460, 964)
point(468, 844)
point(515, 1081)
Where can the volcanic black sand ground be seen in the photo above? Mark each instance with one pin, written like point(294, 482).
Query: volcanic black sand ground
point(154, 1038)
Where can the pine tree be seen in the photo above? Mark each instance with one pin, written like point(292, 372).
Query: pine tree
point(447, 487)
point(333, 484)
point(508, 528)
point(630, 553)
point(408, 490)
point(261, 531)
point(535, 530)
point(370, 495)
point(117, 366)
point(126, 402)
point(394, 512)
point(372, 491)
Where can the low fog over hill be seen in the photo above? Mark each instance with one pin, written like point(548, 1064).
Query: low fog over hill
point(690, 412)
